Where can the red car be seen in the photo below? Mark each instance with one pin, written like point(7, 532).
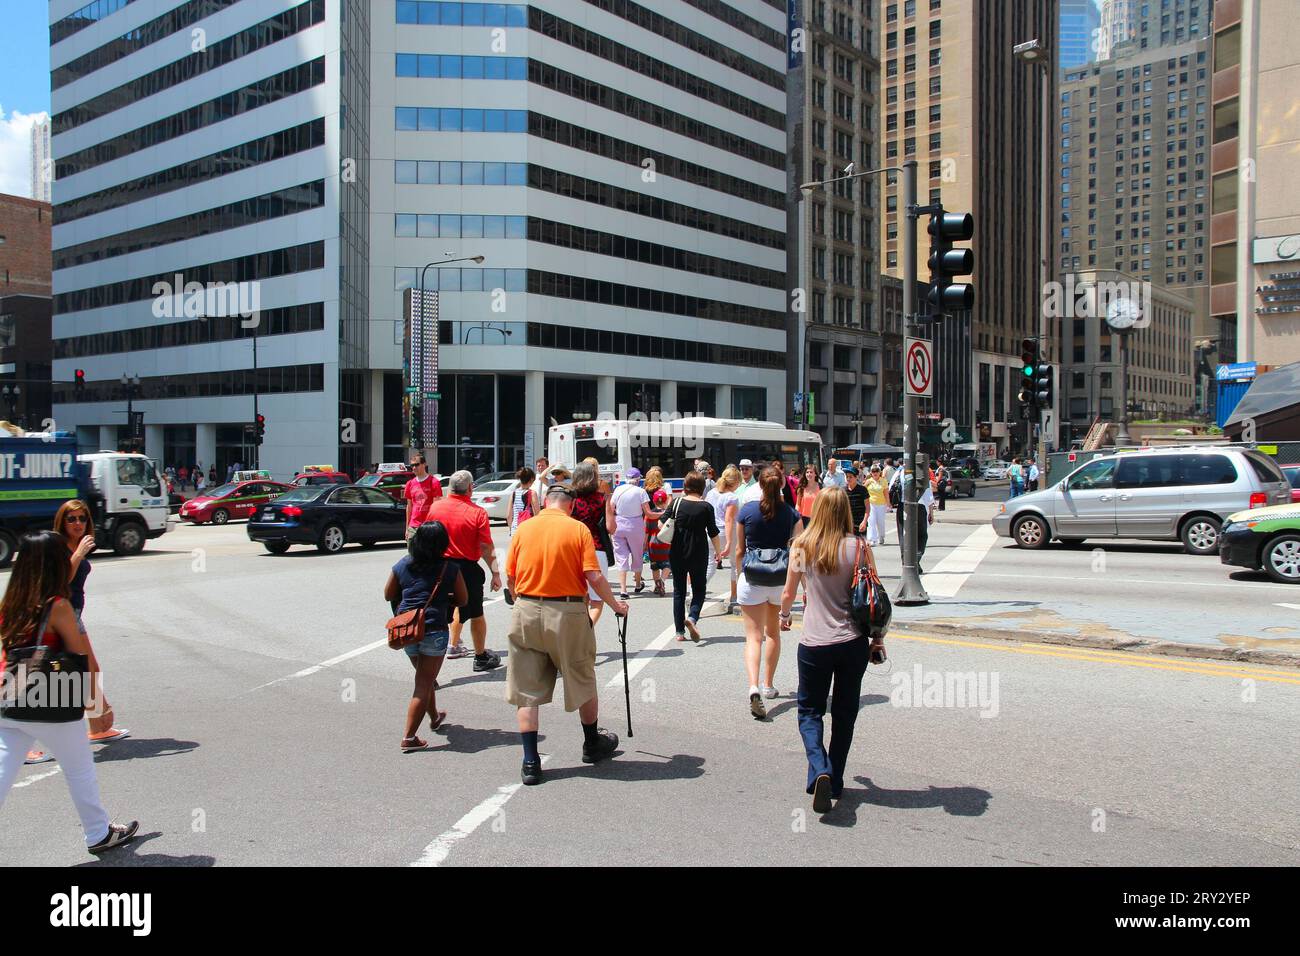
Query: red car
point(238, 499)
point(1292, 473)
point(314, 477)
point(391, 483)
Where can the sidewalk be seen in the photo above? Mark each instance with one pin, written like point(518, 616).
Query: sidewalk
point(967, 511)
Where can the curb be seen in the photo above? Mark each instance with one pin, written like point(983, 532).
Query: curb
point(1138, 645)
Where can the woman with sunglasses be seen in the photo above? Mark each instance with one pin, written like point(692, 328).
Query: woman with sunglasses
point(74, 523)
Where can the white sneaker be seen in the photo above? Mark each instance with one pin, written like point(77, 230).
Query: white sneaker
point(769, 692)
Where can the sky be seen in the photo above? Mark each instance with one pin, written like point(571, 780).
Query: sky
point(24, 87)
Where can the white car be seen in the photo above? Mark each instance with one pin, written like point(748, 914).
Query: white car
point(995, 471)
point(494, 497)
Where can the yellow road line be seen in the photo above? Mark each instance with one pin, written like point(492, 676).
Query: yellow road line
point(1207, 669)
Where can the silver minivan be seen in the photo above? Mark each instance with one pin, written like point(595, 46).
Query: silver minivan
point(1166, 494)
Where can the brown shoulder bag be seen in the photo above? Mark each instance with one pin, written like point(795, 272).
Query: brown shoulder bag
point(407, 628)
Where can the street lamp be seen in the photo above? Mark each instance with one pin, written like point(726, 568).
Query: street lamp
point(1035, 53)
point(910, 590)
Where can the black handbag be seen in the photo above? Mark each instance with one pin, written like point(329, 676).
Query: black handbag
point(44, 684)
point(869, 606)
point(766, 567)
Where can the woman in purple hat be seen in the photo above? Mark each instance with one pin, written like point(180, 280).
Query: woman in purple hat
point(626, 515)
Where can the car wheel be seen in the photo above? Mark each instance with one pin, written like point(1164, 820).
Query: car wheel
point(332, 539)
point(1071, 542)
point(276, 547)
point(128, 538)
point(1200, 534)
point(1281, 559)
point(7, 548)
point(1030, 532)
point(220, 516)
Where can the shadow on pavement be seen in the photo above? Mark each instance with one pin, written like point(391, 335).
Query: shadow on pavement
point(676, 767)
point(863, 701)
point(472, 740)
point(955, 801)
point(135, 748)
point(129, 856)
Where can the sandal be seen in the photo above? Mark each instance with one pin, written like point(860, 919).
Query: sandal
point(659, 589)
point(38, 756)
point(681, 637)
point(640, 586)
point(411, 744)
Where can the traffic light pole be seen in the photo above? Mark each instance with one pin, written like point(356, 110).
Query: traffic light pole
point(910, 590)
point(257, 444)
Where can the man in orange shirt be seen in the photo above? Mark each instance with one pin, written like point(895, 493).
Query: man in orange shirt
point(550, 563)
point(470, 540)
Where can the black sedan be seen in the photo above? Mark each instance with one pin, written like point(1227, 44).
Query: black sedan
point(328, 516)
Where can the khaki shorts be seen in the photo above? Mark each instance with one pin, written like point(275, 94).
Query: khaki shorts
point(548, 638)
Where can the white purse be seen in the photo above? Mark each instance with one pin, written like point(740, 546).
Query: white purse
point(665, 535)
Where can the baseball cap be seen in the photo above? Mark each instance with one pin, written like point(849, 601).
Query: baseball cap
point(634, 472)
point(746, 463)
point(561, 486)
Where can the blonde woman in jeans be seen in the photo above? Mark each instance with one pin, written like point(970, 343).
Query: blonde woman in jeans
point(832, 652)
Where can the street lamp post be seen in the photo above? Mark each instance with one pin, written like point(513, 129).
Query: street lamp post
point(132, 385)
point(910, 590)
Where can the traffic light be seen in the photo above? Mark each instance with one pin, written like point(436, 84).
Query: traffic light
point(945, 262)
point(1044, 385)
point(417, 424)
point(261, 429)
point(79, 382)
point(1028, 395)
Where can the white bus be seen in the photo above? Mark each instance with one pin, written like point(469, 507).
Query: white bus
point(674, 445)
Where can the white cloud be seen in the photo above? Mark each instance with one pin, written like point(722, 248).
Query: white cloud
point(16, 152)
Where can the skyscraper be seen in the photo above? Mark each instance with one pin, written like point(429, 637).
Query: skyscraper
point(1079, 33)
point(42, 172)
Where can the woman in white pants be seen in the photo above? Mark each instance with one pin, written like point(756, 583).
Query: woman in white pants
point(35, 610)
point(877, 507)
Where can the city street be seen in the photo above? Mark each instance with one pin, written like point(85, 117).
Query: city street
point(266, 710)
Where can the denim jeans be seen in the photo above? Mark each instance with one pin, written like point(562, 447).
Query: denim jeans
point(698, 572)
point(819, 667)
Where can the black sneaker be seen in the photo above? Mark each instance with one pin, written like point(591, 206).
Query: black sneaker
point(118, 834)
point(531, 773)
point(486, 661)
point(756, 707)
point(822, 794)
point(605, 745)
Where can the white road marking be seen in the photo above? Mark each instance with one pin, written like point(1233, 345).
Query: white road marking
point(356, 652)
point(946, 578)
point(1293, 607)
point(1112, 580)
point(35, 777)
point(648, 653)
point(436, 852)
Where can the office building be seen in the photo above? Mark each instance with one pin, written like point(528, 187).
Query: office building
point(24, 311)
point(1080, 33)
point(958, 101)
point(1255, 221)
point(42, 172)
point(1133, 25)
point(621, 171)
point(833, 266)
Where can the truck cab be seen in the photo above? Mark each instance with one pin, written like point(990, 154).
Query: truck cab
point(128, 499)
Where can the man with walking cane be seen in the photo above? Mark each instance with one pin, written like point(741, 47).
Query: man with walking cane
point(549, 565)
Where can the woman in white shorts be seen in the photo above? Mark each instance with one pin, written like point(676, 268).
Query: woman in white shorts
point(767, 524)
point(726, 505)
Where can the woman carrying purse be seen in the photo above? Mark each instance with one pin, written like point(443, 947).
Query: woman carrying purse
point(833, 652)
point(35, 612)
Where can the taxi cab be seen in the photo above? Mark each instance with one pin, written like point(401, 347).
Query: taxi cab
point(391, 481)
point(236, 499)
point(320, 475)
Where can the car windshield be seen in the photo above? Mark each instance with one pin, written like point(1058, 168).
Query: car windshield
point(306, 493)
point(1294, 475)
point(223, 490)
point(370, 480)
point(492, 486)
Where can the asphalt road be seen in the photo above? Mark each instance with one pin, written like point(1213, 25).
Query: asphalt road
point(266, 712)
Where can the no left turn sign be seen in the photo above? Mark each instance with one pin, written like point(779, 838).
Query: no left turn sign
point(918, 367)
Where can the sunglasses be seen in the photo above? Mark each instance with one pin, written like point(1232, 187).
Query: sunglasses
point(78, 519)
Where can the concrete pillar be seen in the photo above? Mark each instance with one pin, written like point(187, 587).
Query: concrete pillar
point(535, 424)
point(153, 443)
point(605, 396)
point(668, 398)
point(107, 438)
point(723, 401)
point(376, 416)
point(205, 445)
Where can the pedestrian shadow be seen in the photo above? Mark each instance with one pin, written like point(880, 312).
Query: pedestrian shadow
point(138, 748)
point(480, 677)
point(722, 639)
point(864, 701)
point(605, 657)
point(676, 767)
point(130, 856)
point(955, 801)
point(471, 740)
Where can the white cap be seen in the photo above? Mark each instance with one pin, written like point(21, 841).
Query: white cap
point(746, 463)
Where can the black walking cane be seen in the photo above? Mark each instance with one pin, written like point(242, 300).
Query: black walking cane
point(627, 687)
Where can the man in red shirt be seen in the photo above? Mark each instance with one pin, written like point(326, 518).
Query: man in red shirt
point(470, 539)
point(420, 492)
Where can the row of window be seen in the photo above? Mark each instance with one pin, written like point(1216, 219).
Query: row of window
point(677, 348)
point(237, 102)
point(434, 226)
point(285, 321)
point(452, 172)
point(142, 36)
point(253, 153)
point(252, 268)
point(450, 279)
point(654, 114)
point(456, 67)
point(432, 12)
point(210, 57)
point(276, 380)
point(599, 144)
point(433, 119)
point(659, 301)
point(81, 18)
point(244, 212)
point(629, 58)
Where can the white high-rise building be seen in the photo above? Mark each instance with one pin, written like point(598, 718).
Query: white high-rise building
point(42, 171)
point(621, 169)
